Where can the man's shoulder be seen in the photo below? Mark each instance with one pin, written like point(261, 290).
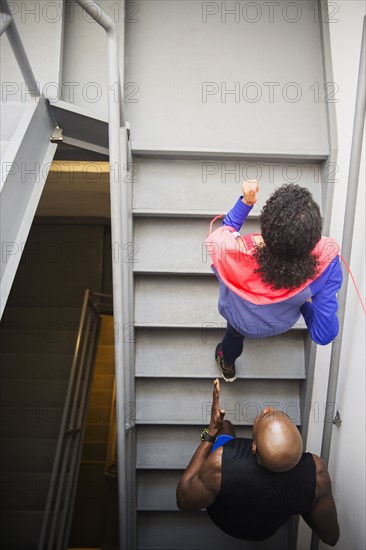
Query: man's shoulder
point(322, 477)
point(319, 464)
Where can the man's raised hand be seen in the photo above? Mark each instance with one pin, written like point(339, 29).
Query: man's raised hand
point(217, 414)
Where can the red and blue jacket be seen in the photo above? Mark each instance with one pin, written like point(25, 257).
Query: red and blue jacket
point(255, 309)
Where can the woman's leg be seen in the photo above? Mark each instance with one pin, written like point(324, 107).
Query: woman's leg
point(232, 345)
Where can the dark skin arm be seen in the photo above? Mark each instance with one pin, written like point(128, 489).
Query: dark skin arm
point(323, 516)
point(200, 483)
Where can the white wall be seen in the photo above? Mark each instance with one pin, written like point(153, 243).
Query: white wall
point(347, 459)
point(199, 75)
point(39, 23)
point(67, 52)
point(84, 63)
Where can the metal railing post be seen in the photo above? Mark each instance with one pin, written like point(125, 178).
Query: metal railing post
point(65, 417)
point(353, 177)
point(118, 163)
point(66, 519)
point(69, 443)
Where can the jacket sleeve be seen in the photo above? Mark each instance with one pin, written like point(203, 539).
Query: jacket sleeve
point(321, 313)
point(237, 215)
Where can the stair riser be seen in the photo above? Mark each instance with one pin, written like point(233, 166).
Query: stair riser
point(213, 185)
point(177, 530)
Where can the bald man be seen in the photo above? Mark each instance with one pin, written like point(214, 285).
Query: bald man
point(250, 487)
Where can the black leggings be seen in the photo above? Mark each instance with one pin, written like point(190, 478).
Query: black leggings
point(232, 345)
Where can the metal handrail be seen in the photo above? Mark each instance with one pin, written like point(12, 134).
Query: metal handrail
point(59, 505)
point(111, 453)
point(63, 428)
point(348, 227)
point(119, 155)
point(119, 159)
point(94, 10)
point(8, 25)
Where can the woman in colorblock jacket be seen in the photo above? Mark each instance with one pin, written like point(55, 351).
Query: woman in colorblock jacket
point(268, 280)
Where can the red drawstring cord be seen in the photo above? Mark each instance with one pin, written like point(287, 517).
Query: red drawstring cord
point(354, 282)
point(213, 221)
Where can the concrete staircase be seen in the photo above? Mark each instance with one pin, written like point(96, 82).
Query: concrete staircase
point(177, 329)
point(191, 151)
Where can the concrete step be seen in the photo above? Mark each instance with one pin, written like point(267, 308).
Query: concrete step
point(180, 530)
point(178, 301)
point(96, 432)
point(172, 447)
point(207, 215)
point(106, 334)
point(24, 490)
point(98, 414)
point(175, 244)
point(189, 353)
point(20, 529)
point(35, 366)
point(173, 402)
point(27, 455)
point(101, 397)
point(43, 393)
point(94, 451)
point(214, 185)
point(37, 421)
point(41, 420)
point(68, 256)
point(164, 300)
point(103, 382)
point(104, 362)
point(90, 507)
point(39, 330)
point(156, 490)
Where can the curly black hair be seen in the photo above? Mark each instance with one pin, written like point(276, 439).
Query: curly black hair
point(291, 226)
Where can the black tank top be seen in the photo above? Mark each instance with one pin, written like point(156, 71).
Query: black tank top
point(254, 502)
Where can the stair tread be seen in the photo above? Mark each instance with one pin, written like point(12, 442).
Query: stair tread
point(180, 530)
point(23, 528)
point(179, 301)
point(300, 325)
point(43, 330)
point(171, 446)
point(27, 490)
point(169, 243)
point(40, 392)
point(156, 489)
point(16, 455)
point(182, 213)
point(156, 401)
point(189, 353)
point(158, 270)
point(35, 365)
